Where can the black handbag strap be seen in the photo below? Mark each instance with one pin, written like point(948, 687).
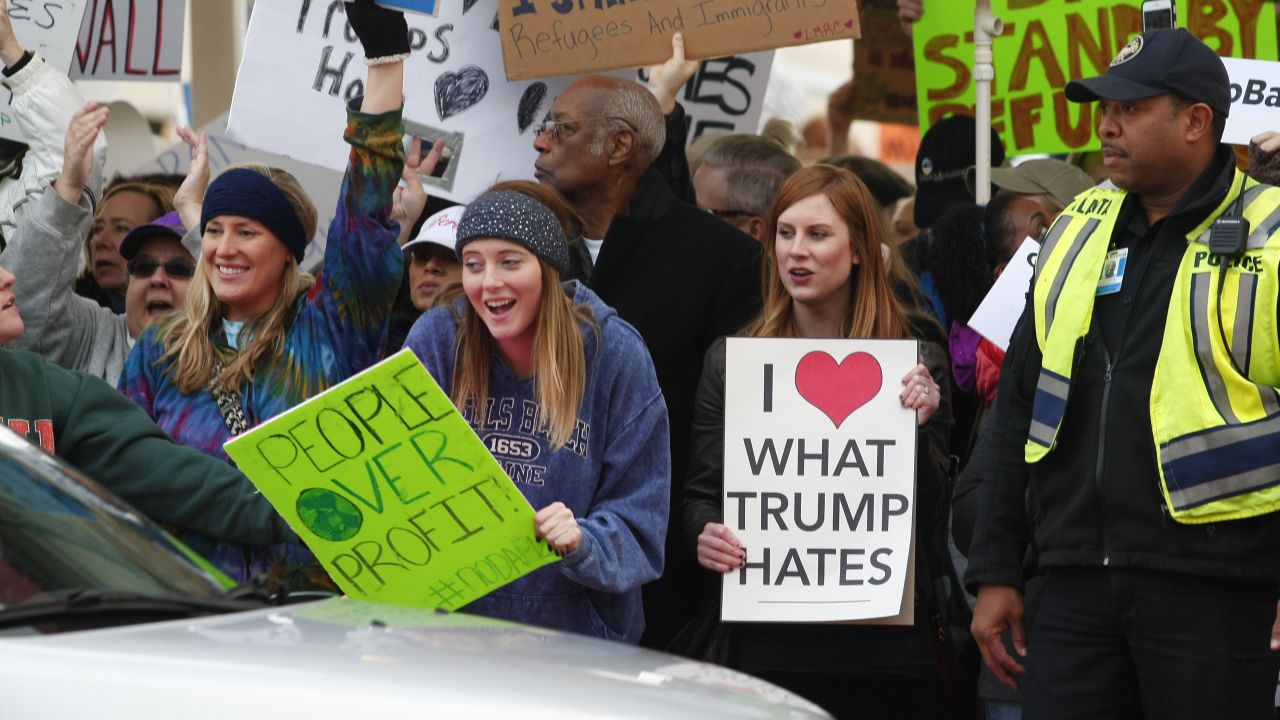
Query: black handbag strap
point(228, 402)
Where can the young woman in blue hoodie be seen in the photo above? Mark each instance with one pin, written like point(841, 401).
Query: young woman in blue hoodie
point(564, 394)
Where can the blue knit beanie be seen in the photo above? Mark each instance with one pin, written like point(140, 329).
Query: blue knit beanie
point(514, 216)
point(247, 193)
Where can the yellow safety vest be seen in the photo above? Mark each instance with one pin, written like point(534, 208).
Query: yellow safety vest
point(1215, 413)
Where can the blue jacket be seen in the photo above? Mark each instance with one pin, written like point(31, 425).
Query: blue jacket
point(614, 474)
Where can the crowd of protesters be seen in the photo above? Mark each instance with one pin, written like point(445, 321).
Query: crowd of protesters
point(1112, 576)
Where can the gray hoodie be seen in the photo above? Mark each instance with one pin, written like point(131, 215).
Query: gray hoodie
point(66, 329)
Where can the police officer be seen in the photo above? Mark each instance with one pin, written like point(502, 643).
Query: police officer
point(1137, 424)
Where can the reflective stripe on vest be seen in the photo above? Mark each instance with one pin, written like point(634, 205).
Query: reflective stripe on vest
point(1066, 278)
point(1218, 440)
point(1215, 413)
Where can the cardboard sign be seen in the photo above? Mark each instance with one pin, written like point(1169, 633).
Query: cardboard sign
point(46, 28)
point(819, 478)
point(1048, 42)
point(1000, 310)
point(300, 56)
point(322, 184)
point(1255, 97)
point(542, 38)
point(883, 67)
point(391, 489)
point(130, 40)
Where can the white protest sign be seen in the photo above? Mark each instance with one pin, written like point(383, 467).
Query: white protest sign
point(130, 40)
point(999, 311)
point(726, 94)
point(322, 184)
point(301, 56)
point(1255, 99)
point(49, 29)
point(819, 478)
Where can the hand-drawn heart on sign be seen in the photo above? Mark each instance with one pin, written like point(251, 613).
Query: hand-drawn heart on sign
point(530, 103)
point(838, 389)
point(458, 91)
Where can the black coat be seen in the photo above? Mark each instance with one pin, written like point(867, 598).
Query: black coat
point(821, 647)
point(1095, 501)
point(683, 278)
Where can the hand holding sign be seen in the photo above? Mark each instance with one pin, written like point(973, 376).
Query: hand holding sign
point(719, 549)
point(920, 393)
point(666, 79)
point(556, 524)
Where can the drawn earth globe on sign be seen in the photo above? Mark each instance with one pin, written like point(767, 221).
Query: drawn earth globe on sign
point(329, 515)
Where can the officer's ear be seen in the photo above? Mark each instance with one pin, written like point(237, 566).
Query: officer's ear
point(1198, 119)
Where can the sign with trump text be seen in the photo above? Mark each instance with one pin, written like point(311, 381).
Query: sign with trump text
point(391, 489)
point(819, 478)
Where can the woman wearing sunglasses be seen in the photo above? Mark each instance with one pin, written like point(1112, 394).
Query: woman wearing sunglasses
point(257, 336)
point(66, 328)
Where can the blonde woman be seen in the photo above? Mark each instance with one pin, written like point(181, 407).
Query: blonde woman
point(256, 337)
point(126, 204)
point(564, 394)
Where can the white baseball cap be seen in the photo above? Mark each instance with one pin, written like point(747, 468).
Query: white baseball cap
point(441, 229)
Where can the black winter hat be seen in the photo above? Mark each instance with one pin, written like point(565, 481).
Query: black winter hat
point(947, 151)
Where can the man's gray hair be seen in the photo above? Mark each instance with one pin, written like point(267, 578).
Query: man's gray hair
point(631, 105)
point(755, 168)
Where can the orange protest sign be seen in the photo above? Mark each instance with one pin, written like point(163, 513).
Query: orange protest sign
point(542, 38)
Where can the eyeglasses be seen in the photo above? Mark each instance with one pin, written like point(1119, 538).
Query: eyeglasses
point(145, 267)
point(728, 214)
point(552, 127)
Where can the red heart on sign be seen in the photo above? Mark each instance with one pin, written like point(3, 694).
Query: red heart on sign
point(848, 23)
point(799, 34)
point(838, 389)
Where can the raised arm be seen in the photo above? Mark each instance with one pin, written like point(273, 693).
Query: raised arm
point(44, 102)
point(43, 252)
point(363, 263)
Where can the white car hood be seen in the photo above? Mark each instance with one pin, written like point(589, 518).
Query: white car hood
point(345, 658)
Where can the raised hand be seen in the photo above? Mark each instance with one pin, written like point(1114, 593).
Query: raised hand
point(77, 160)
point(408, 202)
point(666, 79)
point(189, 199)
point(11, 50)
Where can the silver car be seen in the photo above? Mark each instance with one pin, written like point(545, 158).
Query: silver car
point(104, 615)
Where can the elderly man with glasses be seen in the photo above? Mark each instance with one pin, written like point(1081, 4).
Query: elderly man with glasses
point(679, 275)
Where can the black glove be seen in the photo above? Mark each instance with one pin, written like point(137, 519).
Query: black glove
point(383, 32)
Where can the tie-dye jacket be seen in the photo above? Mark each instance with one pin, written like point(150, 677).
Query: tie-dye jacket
point(338, 329)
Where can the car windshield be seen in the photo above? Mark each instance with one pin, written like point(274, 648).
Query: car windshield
point(62, 535)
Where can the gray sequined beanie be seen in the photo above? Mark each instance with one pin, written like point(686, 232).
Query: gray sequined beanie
point(509, 215)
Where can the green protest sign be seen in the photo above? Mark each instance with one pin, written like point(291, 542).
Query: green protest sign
point(1046, 43)
point(391, 489)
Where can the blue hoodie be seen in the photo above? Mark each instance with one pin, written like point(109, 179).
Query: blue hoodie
point(614, 473)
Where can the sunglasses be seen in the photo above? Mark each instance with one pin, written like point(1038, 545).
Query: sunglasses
point(145, 267)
